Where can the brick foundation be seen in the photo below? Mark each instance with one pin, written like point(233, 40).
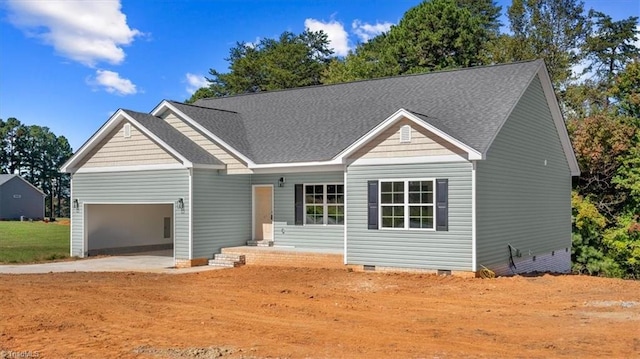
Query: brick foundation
point(188, 263)
point(272, 256)
point(361, 268)
point(558, 261)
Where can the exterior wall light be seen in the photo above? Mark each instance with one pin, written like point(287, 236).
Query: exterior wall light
point(76, 205)
point(180, 203)
point(281, 181)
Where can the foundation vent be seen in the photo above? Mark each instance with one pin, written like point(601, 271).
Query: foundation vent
point(368, 267)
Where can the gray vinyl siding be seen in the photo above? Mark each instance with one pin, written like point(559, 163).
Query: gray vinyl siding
point(30, 204)
point(520, 200)
point(286, 233)
point(161, 186)
point(221, 211)
point(427, 249)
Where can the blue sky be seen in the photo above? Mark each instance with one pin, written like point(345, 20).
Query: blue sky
point(69, 64)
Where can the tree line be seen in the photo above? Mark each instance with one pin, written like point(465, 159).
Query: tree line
point(36, 154)
point(600, 103)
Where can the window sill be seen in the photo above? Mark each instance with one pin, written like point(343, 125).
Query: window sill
point(323, 225)
point(407, 229)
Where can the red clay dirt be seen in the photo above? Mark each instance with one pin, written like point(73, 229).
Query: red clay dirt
point(269, 312)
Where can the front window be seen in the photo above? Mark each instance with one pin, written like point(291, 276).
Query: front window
point(324, 204)
point(407, 204)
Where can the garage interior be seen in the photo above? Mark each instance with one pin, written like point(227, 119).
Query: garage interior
point(129, 228)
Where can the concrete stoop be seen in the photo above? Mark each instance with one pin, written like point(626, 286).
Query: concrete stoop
point(227, 260)
point(262, 243)
point(287, 257)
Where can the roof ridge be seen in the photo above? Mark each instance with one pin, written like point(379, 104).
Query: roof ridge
point(138, 112)
point(203, 107)
point(459, 69)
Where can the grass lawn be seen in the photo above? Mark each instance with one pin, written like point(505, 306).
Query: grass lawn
point(29, 242)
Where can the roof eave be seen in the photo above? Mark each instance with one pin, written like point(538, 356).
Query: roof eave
point(208, 166)
point(558, 119)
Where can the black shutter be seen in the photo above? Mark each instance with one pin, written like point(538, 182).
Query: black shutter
point(442, 205)
point(299, 205)
point(372, 201)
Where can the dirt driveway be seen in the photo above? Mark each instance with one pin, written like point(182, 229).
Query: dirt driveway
point(263, 312)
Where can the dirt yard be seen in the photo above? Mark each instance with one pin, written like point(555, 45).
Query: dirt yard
point(262, 312)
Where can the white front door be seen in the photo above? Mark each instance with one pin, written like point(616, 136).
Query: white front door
point(263, 213)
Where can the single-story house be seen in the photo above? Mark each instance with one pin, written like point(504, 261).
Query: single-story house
point(19, 198)
point(452, 170)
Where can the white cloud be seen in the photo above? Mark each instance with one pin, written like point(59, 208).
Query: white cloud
point(366, 31)
point(113, 83)
point(84, 31)
point(338, 36)
point(195, 82)
point(637, 42)
point(254, 43)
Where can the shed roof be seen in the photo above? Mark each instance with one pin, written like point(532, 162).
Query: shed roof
point(4, 178)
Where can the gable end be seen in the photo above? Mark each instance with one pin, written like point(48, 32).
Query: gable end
point(126, 145)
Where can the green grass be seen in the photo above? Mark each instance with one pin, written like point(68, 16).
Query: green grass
point(30, 242)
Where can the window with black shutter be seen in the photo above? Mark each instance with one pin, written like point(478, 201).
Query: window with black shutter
point(372, 201)
point(442, 205)
point(299, 204)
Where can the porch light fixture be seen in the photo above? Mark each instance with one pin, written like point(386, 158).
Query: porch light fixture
point(281, 181)
point(75, 204)
point(180, 203)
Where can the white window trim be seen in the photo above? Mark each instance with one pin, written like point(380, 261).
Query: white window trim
point(406, 204)
point(325, 212)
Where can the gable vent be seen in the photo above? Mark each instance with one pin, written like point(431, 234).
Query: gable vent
point(127, 130)
point(405, 134)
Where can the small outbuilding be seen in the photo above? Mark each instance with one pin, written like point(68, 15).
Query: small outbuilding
point(19, 198)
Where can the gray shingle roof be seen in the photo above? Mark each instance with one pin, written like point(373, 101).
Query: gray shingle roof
point(317, 123)
point(227, 125)
point(5, 178)
point(175, 139)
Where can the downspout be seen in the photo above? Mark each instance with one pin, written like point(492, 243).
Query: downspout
point(190, 209)
point(474, 265)
point(345, 215)
point(71, 209)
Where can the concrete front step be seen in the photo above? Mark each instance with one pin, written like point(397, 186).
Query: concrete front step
point(223, 264)
point(230, 257)
point(226, 260)
point(262, 243)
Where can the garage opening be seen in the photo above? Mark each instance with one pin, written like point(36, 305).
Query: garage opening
point(129, 228)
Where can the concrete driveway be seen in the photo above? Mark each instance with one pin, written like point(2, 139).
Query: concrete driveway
point(153, 262)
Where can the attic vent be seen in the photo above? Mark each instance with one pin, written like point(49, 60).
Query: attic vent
point(405, 134)
point(127, 130)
